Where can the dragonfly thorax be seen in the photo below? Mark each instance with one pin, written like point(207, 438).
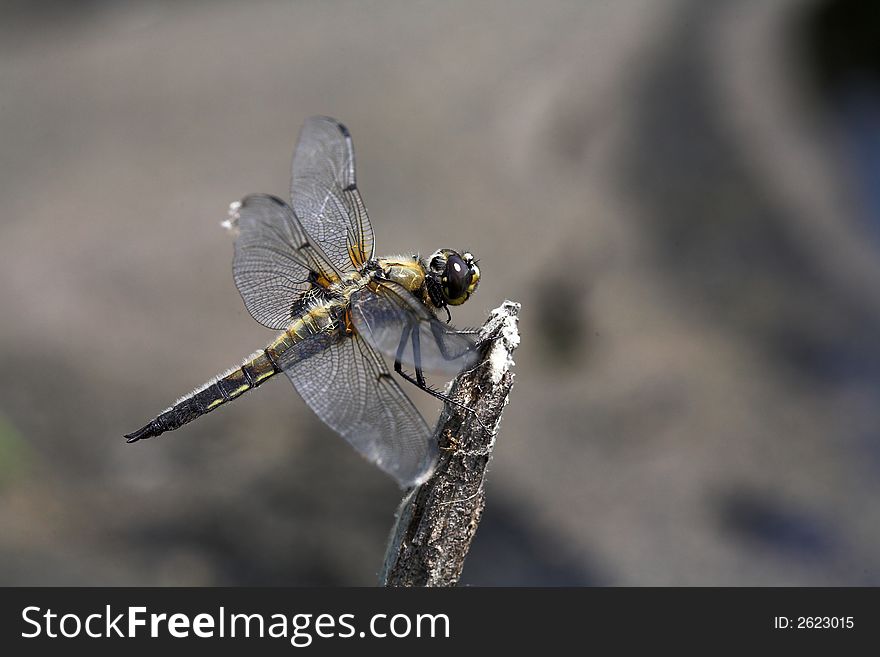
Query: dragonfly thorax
point(405, 271)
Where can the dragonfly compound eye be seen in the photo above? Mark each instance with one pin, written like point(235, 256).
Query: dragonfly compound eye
point(457, 280)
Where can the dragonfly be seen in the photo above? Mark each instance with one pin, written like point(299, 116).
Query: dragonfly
point(308, 269)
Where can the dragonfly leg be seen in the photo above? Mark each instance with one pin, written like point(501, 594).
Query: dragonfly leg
point(437, 330)
point(417, 359)
point(419, 380)
point(404, 337)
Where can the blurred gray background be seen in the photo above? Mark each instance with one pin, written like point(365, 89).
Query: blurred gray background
point(684, 196)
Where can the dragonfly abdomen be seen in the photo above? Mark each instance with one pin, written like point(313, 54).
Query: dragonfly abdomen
point(312, 326)
point(257, 369)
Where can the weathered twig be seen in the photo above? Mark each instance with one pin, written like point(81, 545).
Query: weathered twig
point(436, 521)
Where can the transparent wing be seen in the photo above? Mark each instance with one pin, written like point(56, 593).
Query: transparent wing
point(401, 327)
point(275, 263)
point(324, 193)
point(348, 387)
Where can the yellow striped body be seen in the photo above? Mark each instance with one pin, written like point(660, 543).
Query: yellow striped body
point(320, 322)
point(264, 364)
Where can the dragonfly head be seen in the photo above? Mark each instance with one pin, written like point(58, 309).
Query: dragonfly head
point(456, 275)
